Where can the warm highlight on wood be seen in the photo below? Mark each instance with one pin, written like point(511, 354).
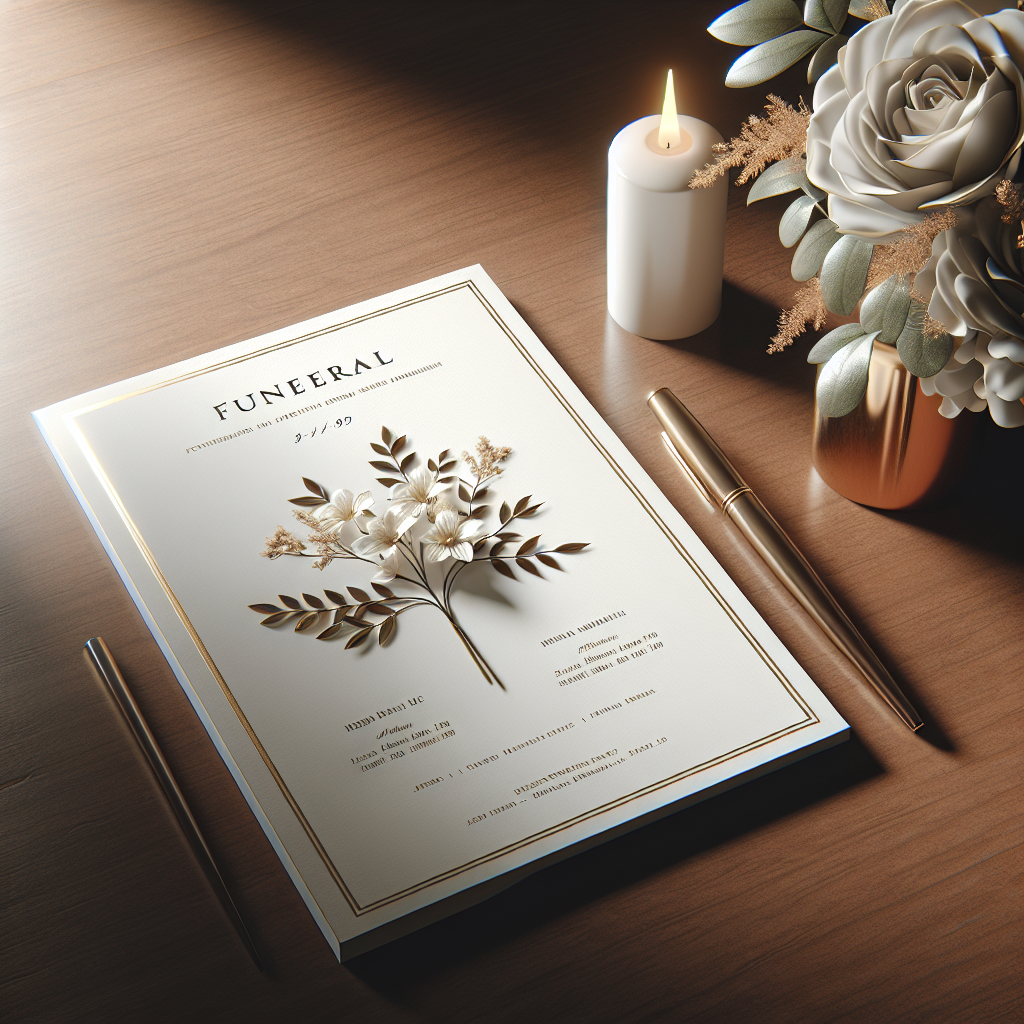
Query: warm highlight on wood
point(182, 174)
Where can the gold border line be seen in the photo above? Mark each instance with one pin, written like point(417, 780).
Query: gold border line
point(357, 908)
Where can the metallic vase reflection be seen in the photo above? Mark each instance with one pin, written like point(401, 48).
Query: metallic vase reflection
point(894, 450)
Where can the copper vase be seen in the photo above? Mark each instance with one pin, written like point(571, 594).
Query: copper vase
point(894, 450)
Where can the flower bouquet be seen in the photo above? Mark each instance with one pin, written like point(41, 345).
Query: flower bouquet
point(908, 165)
point(434, 527)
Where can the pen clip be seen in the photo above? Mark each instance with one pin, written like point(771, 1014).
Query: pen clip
point(691, 476)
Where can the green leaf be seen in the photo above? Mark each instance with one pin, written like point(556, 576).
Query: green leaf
point(824, 57)
point(785, 176)
point(843, 380)
point(812, 250)
point(829, 344)
point(886, 307)
point(844, 272)
point(795, 220)
point(922, 355)
point(827, 15)
point(813, 191)
point(754, 22)
point(772, 58)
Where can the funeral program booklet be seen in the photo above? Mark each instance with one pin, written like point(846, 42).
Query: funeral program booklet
point(439, 623)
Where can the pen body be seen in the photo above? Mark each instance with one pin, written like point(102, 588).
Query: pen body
point(770, 541)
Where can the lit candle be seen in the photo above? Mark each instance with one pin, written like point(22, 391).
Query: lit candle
point(666, 242)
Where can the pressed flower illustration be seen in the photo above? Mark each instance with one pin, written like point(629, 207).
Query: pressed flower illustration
point(433, 528)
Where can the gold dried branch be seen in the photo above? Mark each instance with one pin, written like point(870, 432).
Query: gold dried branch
point(931, 327)
point(489, 459)
point(910, 251)
point(324, 542)
point(809, 308)
point(1011, 198)
point(870, 10)
point(282, 543)
point(761, 141)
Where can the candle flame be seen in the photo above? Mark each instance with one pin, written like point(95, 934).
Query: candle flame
point(668, 133)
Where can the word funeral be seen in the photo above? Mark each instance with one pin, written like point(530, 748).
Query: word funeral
point(298, 386)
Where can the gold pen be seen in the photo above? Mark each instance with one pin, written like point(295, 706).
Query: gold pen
point(98, 655)
point(716, 479)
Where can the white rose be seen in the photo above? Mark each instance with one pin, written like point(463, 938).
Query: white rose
point(925, 108)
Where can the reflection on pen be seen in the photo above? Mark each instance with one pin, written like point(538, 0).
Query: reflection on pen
point(717, 481)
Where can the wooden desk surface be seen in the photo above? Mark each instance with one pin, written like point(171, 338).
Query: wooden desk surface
point(179, 175)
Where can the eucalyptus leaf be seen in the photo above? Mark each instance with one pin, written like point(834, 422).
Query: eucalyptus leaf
point(829, 344)
point(795, 220)
point(843, 380)
point(772, 58)
point(812, 250)
point(813, 191)
point(827, 15)
point(885, 308)
point(786, 176)
point(824, 57)
point(921, 354)
point(844, 272)
point(756, 21)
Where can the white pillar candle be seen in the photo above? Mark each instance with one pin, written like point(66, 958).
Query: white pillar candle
point(666, 241)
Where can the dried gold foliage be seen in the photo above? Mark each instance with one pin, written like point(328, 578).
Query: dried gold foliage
point(324, 542)
point(931, 327)
point(873, 10)
point(282, 543)
point(809, 308)
point(910, 251)
point(1011, 198)
point(489, 456)
point(762, 141)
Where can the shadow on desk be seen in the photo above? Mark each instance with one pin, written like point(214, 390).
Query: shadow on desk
point(403, 965)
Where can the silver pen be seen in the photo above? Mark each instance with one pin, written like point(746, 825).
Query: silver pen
point(717, 480)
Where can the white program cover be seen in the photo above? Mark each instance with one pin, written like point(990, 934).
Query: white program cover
point(448, 702)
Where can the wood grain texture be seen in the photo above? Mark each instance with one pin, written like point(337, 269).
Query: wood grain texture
point(180, 175)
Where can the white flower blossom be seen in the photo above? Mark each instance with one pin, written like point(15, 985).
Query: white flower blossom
point(924, 109)
point(389, 568)
point(382, 535)
point(411, 498)
point(343, 507)
point(451, 537)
